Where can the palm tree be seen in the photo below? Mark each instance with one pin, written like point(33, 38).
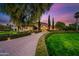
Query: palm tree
point(18, 13)
point(28, 12)
point(39, 9)
point(15, 11)
point(77, 17)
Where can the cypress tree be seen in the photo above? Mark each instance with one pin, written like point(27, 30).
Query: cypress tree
point(52, 23)
point(49, 22)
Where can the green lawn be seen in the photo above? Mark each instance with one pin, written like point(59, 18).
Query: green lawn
point(63, 44)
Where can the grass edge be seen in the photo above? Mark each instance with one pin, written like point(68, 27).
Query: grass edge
point(41, 49)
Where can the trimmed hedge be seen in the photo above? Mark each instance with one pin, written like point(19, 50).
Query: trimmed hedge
point(13, 36)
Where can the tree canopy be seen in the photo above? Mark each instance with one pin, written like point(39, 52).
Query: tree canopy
point(60, 25)
point(23, 13)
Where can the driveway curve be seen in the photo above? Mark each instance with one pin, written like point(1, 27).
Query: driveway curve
point(24, 46)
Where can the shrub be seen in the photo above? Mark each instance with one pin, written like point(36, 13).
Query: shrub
point(13, 36)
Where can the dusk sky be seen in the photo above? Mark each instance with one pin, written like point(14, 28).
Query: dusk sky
point(4, 18)
point(63, 12)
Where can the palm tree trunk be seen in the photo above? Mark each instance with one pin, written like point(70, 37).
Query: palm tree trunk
point(39, 25)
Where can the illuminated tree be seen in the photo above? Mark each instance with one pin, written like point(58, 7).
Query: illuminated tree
point(52, 23)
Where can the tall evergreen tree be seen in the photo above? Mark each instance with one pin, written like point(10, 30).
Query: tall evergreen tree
point(52, 23)
point(39, 9)
point(49, 22)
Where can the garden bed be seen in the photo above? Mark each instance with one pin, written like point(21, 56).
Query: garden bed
point(12, 35)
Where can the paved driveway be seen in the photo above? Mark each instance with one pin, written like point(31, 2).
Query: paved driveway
point(24, 46)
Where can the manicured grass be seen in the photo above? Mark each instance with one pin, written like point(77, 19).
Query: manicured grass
point(63, 44)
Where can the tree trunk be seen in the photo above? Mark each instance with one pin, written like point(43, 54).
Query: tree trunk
point(39, 25)
point(76, 24)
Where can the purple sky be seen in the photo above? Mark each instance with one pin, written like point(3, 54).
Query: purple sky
point(4, 18)
point(63, 12)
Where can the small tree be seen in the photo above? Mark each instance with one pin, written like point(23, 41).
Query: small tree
point(77, 17)
point(72, 26)
point(60, 25)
